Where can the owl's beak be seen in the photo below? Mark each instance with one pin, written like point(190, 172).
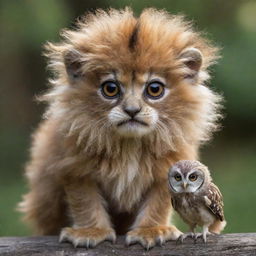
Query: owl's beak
point(184, 185)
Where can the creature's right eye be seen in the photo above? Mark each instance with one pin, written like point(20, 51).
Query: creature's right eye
point(110, 89)
point(177, 177)
point(193, 177)
point(155, 90)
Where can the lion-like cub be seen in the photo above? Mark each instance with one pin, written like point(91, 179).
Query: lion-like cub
point(127, 101)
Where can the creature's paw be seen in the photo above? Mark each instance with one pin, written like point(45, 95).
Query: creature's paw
point(149, 237)
point(87, 237)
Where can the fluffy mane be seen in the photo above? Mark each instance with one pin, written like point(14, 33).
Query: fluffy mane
point(114, 39)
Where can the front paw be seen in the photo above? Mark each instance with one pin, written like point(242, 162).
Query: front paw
point(87, 237)
point(150, 236)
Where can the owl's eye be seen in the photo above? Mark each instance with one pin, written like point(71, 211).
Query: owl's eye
point(154, 90)
point(110, 89)
point(192, 177)
point(177, 177)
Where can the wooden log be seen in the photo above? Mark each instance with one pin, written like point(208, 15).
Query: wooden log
point(226, 244)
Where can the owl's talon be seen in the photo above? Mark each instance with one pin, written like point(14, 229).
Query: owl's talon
point(203, 235)
point(192, 235)
point(197, 236)
point(184, 236)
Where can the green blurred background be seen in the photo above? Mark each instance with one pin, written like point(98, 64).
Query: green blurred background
point(26, 25)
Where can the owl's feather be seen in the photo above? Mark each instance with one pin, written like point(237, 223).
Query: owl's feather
point(203, 206)
point(214, 201)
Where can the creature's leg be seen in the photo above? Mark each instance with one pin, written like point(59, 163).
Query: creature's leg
point(151, 224)
point(204, 233)
point(44, 206)
point(91, 223)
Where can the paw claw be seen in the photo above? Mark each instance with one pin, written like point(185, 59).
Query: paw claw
point(87, 244)
point(112, 237)
point(149, 237)
point(64, 235)
point(62, 238)
point(75, 243)
point(180, 239)
point(160, 241)
point(128, 240)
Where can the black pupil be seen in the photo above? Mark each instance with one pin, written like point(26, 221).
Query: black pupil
point(155, 87)
point(178, 177)
point(110, 87)
point(192, 176)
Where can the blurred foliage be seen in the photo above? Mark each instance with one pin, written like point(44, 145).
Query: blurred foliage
point(25, 25)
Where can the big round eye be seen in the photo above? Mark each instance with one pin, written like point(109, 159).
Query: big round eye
point(110, 89)
point(155, 90)
point(192, 177)
point(177, 177)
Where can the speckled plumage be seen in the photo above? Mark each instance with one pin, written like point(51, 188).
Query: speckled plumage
point(202, 207)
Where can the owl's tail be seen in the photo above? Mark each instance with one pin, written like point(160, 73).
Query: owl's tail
point(217, 226)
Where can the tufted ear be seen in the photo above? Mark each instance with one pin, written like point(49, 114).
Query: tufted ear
point(193, 59)
point(73, 63)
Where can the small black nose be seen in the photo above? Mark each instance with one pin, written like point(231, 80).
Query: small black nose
point(132, 111)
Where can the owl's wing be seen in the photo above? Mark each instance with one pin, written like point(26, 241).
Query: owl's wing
point(214, 201)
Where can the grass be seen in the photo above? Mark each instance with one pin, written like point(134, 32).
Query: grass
point(10, 219)
point(235, 175)
point(232, 165)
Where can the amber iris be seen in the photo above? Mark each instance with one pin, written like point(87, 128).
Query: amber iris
point(110, 89)
point(177, 177)
point(193, 177)
point(155, 90)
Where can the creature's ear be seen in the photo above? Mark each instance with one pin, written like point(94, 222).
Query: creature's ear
point(73, 63)
point(192, 58)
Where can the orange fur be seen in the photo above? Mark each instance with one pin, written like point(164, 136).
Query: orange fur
point(85, 174)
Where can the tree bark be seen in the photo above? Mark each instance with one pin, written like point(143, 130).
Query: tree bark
point(226, 244)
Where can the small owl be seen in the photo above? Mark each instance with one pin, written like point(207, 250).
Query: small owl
point(197, 200)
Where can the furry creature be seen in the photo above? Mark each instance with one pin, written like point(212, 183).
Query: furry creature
point(197, 200)
point(127, 100)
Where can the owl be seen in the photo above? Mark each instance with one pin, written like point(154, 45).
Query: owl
point(127, 100)
point(197, 200)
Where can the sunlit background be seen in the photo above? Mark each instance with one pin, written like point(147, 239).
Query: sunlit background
point(27, 24)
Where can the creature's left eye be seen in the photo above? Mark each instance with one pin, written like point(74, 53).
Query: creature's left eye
point(154, 90)
point(192, 177)
point(110, 89)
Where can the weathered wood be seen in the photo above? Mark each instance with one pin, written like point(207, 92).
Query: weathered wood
point(228, 244)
